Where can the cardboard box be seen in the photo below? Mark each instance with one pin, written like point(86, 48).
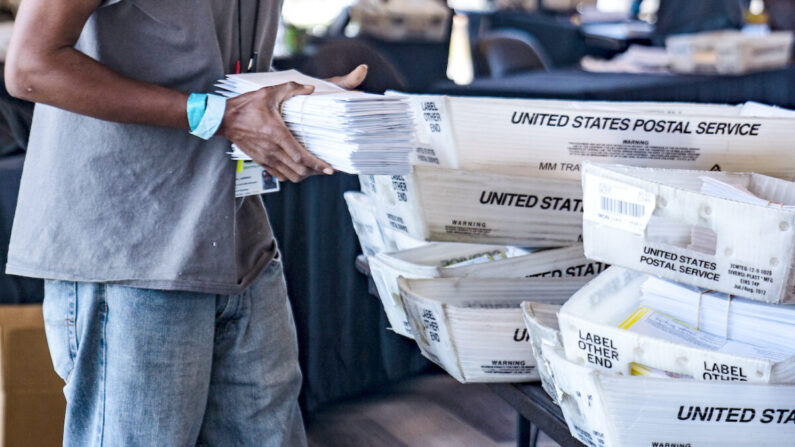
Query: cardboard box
point(605, 410)
point(469, 261)
point(552, 138)
point(728, 52)
point(754, 250)
point(425, 262)
point(32, 404)
point(479, 207)
point(473, 328)
point(594, 329)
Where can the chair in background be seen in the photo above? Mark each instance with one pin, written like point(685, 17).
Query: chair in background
point(504, 52)
point(340, 56)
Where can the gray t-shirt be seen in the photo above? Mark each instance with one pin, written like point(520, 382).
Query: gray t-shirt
point(150, 207)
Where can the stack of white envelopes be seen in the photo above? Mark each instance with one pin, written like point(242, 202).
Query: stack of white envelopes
point(355, 132)
point(769, 327)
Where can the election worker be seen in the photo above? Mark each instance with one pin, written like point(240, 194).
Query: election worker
point(165, 305)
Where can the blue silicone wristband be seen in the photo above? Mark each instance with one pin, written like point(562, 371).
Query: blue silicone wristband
point(212, 118)
point(197, 103)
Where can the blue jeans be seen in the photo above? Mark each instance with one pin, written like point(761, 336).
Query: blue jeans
point(155, 368)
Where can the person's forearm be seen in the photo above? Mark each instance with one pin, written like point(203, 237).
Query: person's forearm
point(43, 66)
point(68, 79)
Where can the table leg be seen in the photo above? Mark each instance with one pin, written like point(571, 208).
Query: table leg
point(523, 429)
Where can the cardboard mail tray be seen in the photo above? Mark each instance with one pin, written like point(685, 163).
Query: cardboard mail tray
point(596, 327)
point(473, 328)
point(470, 261)
point(552, 138)
point(605, 410)
point(478, 207)
point(752, 247)
point(425, 262)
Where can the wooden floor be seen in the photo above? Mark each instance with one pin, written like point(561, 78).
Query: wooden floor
point(430, 411)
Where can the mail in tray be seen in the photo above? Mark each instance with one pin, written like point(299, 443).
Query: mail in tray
point(451, 205)
point(551, 138)
point(473, 328)
point(355, 132)
point(453, 260)
point(607, 410)
point(730, 232)
point(427, 262)
point(625, 322)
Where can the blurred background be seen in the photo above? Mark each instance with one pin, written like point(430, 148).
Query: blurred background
point(630, 50)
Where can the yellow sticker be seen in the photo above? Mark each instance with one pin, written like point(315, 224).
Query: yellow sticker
point(632, 319)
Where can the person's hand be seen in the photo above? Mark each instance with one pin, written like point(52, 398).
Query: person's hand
point(351, 80)
point(253, 121)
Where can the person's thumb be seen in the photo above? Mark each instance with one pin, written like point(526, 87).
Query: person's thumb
point(351, 80)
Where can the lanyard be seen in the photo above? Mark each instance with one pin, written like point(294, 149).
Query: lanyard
point(252, 60)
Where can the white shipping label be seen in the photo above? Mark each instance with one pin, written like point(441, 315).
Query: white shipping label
point(617, 204)
point(252, 179)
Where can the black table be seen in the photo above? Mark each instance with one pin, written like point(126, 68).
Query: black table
point(775, 87)
point(535, 407)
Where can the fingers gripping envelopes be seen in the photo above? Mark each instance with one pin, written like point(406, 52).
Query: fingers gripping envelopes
point(355, 132)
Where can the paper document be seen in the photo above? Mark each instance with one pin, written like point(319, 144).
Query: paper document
point(355, 132)
point(738, 192)
point(649, 322)
point(767, 326)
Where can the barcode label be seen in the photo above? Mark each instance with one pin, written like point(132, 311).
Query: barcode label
point(616, 206)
